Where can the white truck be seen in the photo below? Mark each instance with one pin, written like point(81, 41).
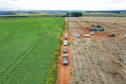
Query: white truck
point(65, 59)
point(76, 35)
point(87, 35)
point(92, 32)
point(65, 42)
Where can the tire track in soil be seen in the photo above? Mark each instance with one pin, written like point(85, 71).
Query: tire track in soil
point(39, 28)
point(19, 56)
point(4, 25)
point(37, 42)
point(9, 35)
point(26, 51)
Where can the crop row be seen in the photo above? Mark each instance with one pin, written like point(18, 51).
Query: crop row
point(92, 64)
point(30, 52)
point(116, 47)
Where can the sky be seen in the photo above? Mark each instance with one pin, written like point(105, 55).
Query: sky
point(62, 4)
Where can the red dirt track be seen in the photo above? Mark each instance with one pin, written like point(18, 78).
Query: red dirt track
point(63, 70)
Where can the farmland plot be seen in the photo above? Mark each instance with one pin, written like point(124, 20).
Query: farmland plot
point(26, 49)
point(115, 25)
point(74, 27)
point(92, 64)
point(116, 47)
point(101, 19)
point(100, 60)
point(85, 24)
point(115, 28)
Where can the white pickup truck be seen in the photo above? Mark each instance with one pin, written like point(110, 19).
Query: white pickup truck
point(65, 42)
point(87, 35)
point(92, 32)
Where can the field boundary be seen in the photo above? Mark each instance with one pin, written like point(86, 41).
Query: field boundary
point(52, 72)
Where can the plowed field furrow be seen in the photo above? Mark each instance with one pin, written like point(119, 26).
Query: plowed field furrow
point(92, 67)
point(120, 75)
point(112, 49)
point(90, 74)
point(75, 28)
point(79, 67)
point(116, 27)
point(101, 63)
point(100, 77)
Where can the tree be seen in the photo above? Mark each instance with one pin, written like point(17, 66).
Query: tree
point(74, 14)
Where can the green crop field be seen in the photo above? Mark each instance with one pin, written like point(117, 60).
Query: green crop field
point(27, 14)
point(27, 46)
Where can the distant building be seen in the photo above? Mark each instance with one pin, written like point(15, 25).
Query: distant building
point(98, 28)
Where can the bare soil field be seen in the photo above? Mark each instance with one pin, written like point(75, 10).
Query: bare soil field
point(116, 25)
point(94, 65)
point(74, 27)
point(101, 59)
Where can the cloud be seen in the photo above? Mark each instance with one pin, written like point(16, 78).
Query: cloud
point(62, 4)
point(6, 5)
point(13, 0)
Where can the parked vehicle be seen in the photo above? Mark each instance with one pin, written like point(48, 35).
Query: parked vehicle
point(87, 35)
point(77, 35)
point(66, 36)
point(65, 42)
point(92, 33)
point(125, 35)
point(65, 59)
point(65, 50)
point(73, 34)
point(111, 35)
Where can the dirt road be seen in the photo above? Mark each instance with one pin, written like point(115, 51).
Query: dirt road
point(65, 70)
